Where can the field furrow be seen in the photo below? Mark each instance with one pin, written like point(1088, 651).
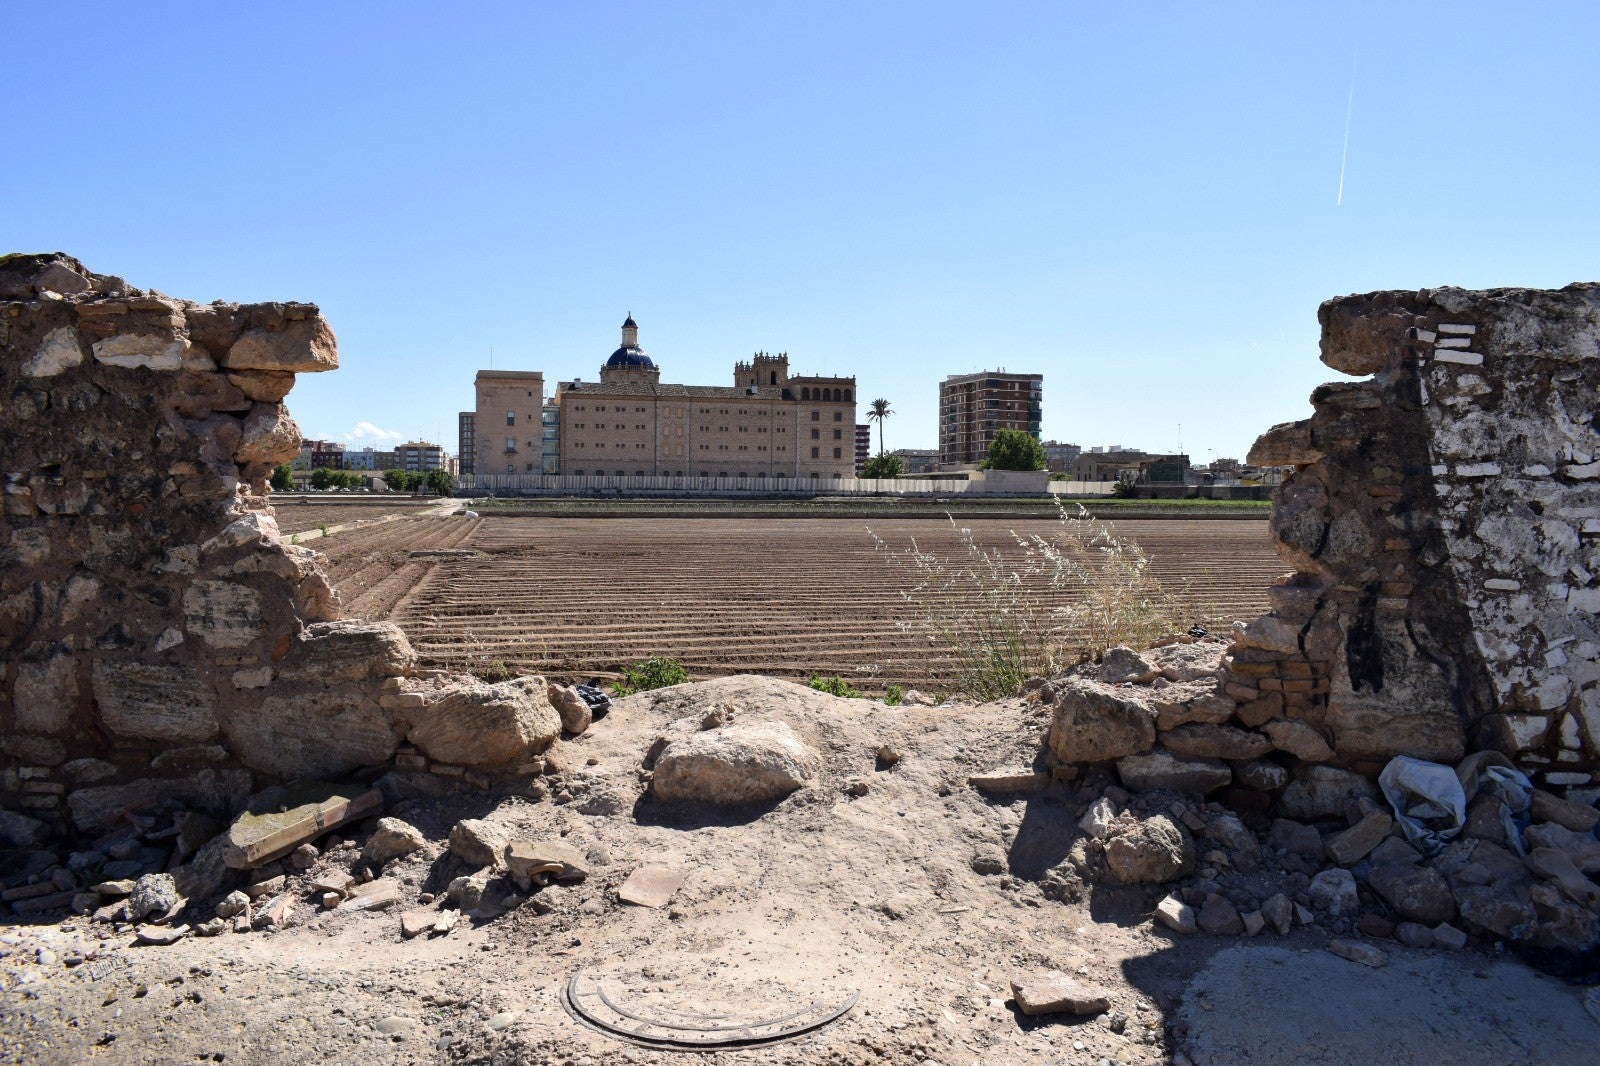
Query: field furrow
point(790, 597)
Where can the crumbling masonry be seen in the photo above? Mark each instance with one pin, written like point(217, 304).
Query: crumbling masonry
point(158, 641)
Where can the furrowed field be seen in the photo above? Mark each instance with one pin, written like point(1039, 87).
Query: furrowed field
point(578, 598)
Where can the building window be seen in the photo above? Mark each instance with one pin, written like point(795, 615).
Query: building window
point(838, 416)
point(511, 444)
point(836, 434)
point(816, 416)
point(815, 452)
point(511, 418)
point(815, 433)
point(836, 453)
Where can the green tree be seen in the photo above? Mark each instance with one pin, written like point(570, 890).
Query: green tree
point(283, 477)
point(397, 480)
point(346, 479)
point(321, 478)
point(439, 481)
point(884, 465)
point(1014, 449)
point(877, 411)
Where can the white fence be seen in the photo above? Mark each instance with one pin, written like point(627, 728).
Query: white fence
point(601, 485)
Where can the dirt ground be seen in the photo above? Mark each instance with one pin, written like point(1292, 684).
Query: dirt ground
point(823, 895)
point(580, 598)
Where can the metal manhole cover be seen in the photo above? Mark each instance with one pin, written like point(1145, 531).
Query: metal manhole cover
point(592, 1005)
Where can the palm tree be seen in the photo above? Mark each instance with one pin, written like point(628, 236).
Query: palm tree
point(880, 410)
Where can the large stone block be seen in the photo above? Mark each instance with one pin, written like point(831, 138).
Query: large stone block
point(101, 806)
point(46, 694)
point(302, 347)
point(348, 650)
point(752, 762)
point(224, 614)
point(312, 731)
point(1094, 722)
point(488, 726)
point(151, 701)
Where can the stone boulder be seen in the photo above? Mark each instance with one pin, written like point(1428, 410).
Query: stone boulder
point(488, 726)
point(1199, 740)
point(392, 839)
point(576, 716)
point(1181, 662)
point(1149, 851)
point(747, 762)
point(1095, 722)
point(1162, 769)
point(1416, 893)
point(1322, 792)
point(1123, 666)
point(479, 842)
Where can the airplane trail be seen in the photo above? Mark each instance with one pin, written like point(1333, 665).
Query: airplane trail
point(1349, 109)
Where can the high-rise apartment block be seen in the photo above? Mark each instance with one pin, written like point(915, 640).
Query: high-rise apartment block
point(466, 430)
point(973, 408)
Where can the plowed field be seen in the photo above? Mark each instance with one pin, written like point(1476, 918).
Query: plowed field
point(579, 598)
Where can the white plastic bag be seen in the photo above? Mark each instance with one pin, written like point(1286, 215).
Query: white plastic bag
point(1427, 799)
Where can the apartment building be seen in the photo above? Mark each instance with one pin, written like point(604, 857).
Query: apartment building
point(973, 408)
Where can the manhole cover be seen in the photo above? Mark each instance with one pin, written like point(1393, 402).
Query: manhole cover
point(608, 1012)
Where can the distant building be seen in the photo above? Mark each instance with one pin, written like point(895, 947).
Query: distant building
point(319, 453)
point(1164, 470)
point(1115, 464)
point(419, 455)
point(506, 433)
point(466, 427)
point(1060, 457)
point(361, 459)
point(385, 460)
point(973, 408)
point(766, 424)
point(918, 460)
point(863, 446)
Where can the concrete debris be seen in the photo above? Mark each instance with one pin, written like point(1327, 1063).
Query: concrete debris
point(652, 886)
point(1176, 915)
point(1359, 951)
point(1057, 993)
point(281, 819)
point(390, 840)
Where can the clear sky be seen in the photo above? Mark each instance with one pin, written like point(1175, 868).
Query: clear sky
point(1137, 201)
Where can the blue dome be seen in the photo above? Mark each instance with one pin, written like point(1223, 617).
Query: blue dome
point(630, 356)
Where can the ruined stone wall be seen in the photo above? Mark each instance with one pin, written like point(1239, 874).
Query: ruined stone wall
point(158, 641)
point(1443, 521)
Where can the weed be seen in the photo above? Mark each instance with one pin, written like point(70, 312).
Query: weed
point(893, 695)
point(658, 671)
point(1059, 598)
point(834, 686)
point(324, 528)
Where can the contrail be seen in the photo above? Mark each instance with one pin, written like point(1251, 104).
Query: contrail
point(1349, 109)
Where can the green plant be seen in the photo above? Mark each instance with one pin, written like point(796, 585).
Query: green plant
point(1013, 449)
point(439, 482)
point(321, 478)
point(1061, 475)
point(1125, 490)
point(282, 477)
point(834, 686)
point(884, 465)
point(324, 528)
point(894, 694)
point(878, 411)
point(658, 671)
point(1005, 617)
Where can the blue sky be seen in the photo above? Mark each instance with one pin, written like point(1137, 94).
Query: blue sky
point(1136, 201)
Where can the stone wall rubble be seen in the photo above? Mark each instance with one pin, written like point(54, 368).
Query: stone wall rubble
point(160, 643)
point(1443, 522)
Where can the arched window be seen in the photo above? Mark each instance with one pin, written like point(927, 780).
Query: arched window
point(743, 474)
point(578, 473)
point(836, 395)
point(805, 394)
point(621, 474)
point(774, 377)
point(847, 395)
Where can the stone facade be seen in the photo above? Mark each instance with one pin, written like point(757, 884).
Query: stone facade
point(768, 424)
point(504, 435)
point(159, 642)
